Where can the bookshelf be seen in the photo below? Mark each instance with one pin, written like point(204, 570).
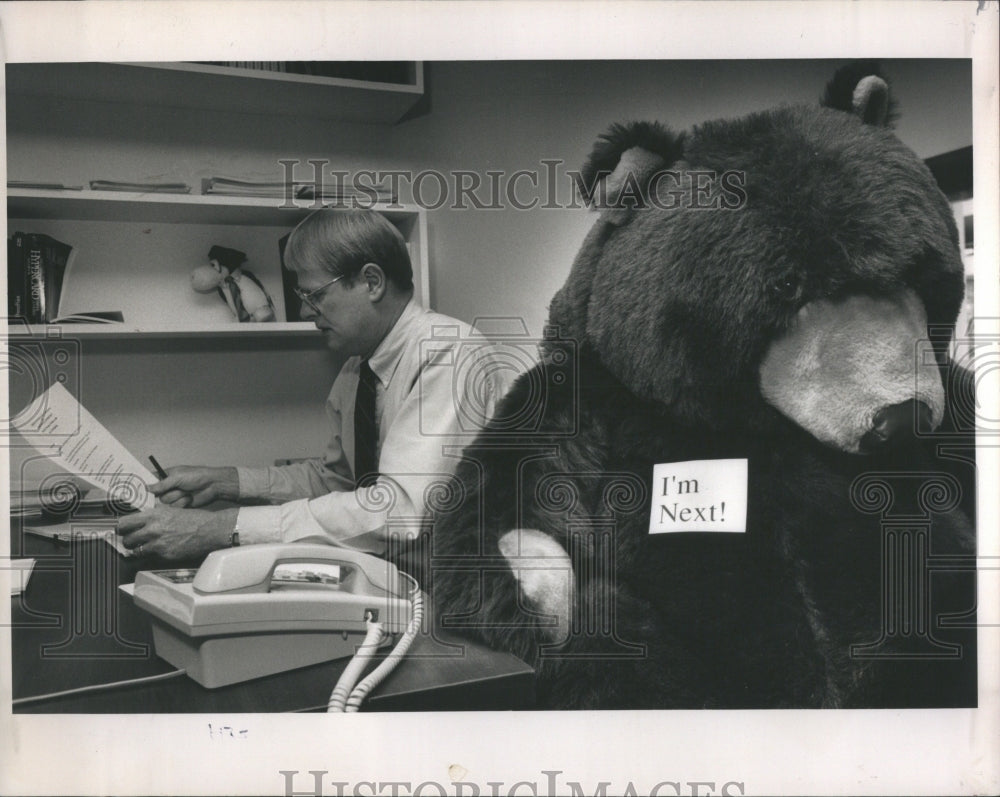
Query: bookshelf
point(224, 88)
point(181, 377)
point(135, 252)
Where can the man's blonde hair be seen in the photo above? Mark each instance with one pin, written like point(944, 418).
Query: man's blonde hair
point(342, 241)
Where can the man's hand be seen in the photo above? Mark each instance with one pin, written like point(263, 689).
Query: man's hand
point(196, 486)
point(177, 533)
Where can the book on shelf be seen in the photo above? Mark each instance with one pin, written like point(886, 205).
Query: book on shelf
point(26, 277)
point(37, 267)
point(36, 278)
point(47, 261)
point(56, 260)
point(140, 188)
point(17, 289)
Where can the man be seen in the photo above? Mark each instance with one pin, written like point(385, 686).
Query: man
point(393, 410)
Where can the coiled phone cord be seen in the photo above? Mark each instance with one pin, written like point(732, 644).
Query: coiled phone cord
point(356, 666)
point(348, 698)
point(376, 676)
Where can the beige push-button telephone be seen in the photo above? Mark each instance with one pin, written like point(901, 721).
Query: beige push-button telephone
point(255, 610)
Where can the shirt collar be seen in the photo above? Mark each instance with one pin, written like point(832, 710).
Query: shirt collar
point(388, 353)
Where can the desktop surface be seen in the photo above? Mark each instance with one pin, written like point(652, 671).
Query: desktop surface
point(72, 627)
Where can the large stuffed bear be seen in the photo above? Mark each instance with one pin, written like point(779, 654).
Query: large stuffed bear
point(762, 312)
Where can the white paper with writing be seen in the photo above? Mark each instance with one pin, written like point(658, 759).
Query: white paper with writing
point(699, 495)
point(61, 428)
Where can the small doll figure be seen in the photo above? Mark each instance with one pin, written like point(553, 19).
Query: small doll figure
point(241, 290)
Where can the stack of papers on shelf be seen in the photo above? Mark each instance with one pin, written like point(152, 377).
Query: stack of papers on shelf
point(358, 195)
point(231, 187)
point(43, 186)
point(333, 191)
point(141, 188)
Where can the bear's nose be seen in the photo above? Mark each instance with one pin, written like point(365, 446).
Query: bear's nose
point(895, 423)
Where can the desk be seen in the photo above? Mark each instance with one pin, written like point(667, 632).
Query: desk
point(73, 627)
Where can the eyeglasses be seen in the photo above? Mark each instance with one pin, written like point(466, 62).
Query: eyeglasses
point(311, 297)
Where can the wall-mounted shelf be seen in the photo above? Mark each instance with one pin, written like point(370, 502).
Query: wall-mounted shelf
point(135, 252)
point(113, 331)
point(181, 376)
point(222, 88)
point(173, 208)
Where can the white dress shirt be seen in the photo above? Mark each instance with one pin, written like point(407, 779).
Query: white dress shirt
point(438, 382)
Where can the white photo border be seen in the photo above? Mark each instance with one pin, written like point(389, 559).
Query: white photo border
point(768, 752)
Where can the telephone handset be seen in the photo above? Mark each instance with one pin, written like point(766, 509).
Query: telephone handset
point(256, 610)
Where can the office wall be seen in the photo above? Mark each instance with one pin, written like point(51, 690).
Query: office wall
point(513, 116)
point(229, 400)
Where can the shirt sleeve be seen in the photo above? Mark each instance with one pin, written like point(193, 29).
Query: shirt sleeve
point(412, 462)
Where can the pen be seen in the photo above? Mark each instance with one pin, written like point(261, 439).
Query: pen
point(156, 465)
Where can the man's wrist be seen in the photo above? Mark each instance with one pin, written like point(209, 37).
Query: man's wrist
point(227, 484)
point(226, 527)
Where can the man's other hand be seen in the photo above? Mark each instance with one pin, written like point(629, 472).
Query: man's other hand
point(195, 486)
point(177, 533)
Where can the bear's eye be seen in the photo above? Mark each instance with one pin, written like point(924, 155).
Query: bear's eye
point(786, 289)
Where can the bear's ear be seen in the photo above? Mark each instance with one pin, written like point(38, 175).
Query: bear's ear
point(617, 174)
point(861, 89)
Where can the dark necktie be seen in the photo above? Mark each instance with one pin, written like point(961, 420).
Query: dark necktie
point(365, 428)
